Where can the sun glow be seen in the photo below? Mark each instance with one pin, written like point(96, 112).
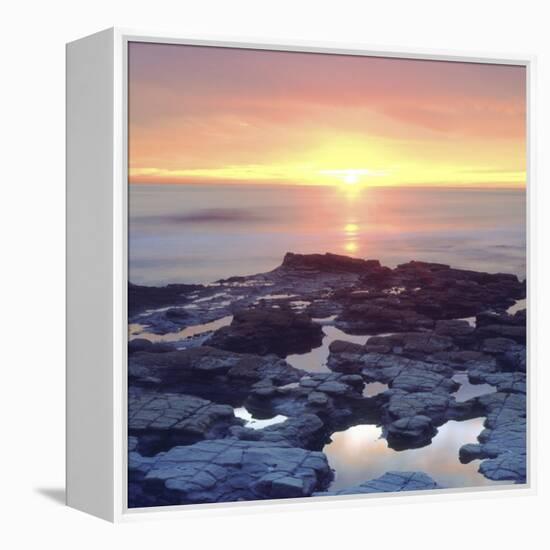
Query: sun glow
point(341, 162)
point(351, 247)
point(351, 176)
point(351, 242)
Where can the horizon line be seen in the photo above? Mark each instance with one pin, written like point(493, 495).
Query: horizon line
point(512, 186)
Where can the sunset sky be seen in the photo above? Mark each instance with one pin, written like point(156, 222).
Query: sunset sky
point(220, 115)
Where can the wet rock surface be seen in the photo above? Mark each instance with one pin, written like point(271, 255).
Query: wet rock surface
point(425, 323)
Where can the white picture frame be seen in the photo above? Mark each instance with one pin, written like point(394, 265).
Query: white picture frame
point(97, 275)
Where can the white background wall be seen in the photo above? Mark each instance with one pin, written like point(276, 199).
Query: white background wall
point(32, 251)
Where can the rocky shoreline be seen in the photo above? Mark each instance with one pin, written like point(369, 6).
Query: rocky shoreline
point(198, 352)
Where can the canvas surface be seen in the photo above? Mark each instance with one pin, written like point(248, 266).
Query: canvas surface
point(327, 275)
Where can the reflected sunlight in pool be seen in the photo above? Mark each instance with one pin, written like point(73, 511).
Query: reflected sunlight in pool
point(360, 453)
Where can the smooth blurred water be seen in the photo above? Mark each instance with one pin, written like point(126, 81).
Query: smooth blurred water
point(195, 233)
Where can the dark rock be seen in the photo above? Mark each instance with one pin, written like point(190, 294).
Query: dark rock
point(410, 432)
point(264, 331)
point(466, 359)
point(410, 344)
point(327, 263)
point(142, 344)
point(141, 298)
point(446, 293)
point(516, 333)
point(174, 368)
point(372, 318)
point(514, 359)
point(470, 452)
point(499, 346)
point(459, 330)
point(486, 318)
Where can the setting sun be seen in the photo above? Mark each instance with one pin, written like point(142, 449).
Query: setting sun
point(351, 179)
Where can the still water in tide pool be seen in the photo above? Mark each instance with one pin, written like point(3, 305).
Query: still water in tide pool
point(316, 359)
point(360, 453)
point(201, 233)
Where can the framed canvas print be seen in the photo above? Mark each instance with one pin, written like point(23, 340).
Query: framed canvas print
point(296, 274)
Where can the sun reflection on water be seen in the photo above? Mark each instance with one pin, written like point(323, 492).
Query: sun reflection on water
point(351, 237)
point(361, 453)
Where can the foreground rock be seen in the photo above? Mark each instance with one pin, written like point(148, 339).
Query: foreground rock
point(442, 321)
point(390, 482)
point(226, 470)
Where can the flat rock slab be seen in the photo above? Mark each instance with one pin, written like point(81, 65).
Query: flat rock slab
point(230, 470)
point(502, 444)
point(390, 482)
point(162, 420)
point(306, 431)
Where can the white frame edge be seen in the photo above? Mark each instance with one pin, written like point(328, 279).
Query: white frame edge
point(115, 216)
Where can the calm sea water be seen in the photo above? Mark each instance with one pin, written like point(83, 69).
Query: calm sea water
point(192, 233)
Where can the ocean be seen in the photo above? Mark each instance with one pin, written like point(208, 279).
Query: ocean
point(201, 233)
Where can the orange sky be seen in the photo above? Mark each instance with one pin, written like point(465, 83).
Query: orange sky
point(220, 115)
